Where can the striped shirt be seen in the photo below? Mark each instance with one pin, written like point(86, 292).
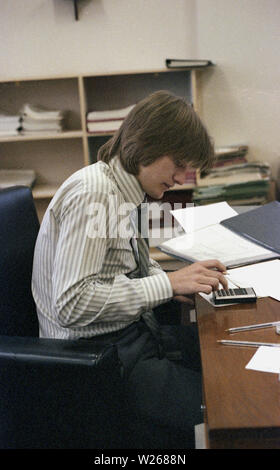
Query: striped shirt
point(85, 266)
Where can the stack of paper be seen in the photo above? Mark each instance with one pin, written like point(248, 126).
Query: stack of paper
point(103, 122)
point(36, 119)
point(10, 178)
point(9, 125)
point(234, 179)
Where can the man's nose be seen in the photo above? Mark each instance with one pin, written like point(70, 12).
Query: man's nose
point(180, 177)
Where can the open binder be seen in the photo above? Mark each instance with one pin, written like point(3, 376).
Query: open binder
point(236, 241)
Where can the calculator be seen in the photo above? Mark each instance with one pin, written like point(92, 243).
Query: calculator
point(230, 296)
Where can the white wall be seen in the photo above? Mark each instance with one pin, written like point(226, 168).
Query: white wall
point(241, 96)
point(41, 37)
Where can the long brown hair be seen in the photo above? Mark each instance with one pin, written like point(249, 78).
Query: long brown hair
point(161, 124)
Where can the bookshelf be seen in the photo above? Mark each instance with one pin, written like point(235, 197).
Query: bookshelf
point(55, 156)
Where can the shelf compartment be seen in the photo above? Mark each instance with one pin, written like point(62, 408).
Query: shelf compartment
point(118, 91)
point(62, 94)
point(52, 162)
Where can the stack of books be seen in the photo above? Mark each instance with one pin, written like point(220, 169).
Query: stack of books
point(234, 179)
point(9, 125)
point(106, 122)
point(36, 119)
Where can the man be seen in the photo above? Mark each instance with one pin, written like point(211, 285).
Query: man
point(92, 276)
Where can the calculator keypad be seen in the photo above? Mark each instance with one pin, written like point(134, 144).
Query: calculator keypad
point(236, 295)
point(223, 292)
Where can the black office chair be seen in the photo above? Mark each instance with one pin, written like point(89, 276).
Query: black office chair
point(53, 393)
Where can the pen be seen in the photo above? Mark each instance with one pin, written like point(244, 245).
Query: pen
point(253, 327)
point(227, 276)
point(253, 344)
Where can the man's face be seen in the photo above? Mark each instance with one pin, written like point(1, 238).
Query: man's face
point(160, 176)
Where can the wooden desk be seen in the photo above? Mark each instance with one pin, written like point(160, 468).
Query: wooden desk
point(242, 406)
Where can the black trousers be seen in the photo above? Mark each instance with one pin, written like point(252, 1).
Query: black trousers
point(163, 398)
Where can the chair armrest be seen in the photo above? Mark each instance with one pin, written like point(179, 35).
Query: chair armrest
point(60, 394)
point(65, 352)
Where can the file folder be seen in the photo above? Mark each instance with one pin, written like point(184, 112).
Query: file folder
point(261, 225)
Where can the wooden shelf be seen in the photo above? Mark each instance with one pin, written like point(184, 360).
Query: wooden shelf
point(44, 191)
point(55, 156)
point(42, 136)
point(100, 134)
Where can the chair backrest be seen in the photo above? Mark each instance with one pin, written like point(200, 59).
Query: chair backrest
point(19, 226)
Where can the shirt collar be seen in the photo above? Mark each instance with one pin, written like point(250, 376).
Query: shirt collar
point(127, 183)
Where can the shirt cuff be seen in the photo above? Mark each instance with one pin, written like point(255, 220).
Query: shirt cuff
point(157, 289)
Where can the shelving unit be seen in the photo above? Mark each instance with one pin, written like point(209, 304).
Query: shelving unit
point(56, 156)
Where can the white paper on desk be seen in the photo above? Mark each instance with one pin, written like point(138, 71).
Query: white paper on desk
point(266, 359)
point(194, 218)
point(263, 277)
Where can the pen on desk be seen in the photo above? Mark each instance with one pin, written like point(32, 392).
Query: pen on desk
point(252, 344)
point(257, 326)
point(227, 276)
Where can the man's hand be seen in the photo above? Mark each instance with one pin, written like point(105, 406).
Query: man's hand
point(202, 276)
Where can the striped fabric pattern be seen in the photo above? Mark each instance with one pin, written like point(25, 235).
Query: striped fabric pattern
point(143, 250)
point(86, 278)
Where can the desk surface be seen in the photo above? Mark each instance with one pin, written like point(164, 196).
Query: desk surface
point(242, 406)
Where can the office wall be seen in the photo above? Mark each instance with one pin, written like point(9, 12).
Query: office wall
point(241, 96)
point(41, 37)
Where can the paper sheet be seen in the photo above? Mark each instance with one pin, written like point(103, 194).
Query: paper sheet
point(215, 242)
point(263, 277)
point(266, 359)
point(195, 218)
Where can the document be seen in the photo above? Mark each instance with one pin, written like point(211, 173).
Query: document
point(194, 218)
point(215, 242)
point(266, 359)
point(263, 277)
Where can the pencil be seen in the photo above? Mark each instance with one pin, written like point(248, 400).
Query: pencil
point(257, 326)
point(253, 344)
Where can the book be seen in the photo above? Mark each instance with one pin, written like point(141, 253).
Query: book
point(232, 192)
point(104, 126)
point(231, 151)
point(108, 115)
point(231, 179)
point(9, 124)
point(185, 63)
point(206, 237)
